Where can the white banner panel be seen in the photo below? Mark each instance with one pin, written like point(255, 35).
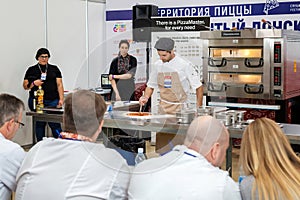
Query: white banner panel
point(279, 14)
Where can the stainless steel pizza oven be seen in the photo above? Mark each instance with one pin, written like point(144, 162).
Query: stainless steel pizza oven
point(260, 64)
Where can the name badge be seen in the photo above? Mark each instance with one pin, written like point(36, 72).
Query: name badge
point(167, 81)
point(43, 76)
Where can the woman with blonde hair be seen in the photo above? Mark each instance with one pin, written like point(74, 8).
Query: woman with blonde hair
point(271, 167)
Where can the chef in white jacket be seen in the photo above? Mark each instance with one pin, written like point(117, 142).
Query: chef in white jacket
point(174, 77)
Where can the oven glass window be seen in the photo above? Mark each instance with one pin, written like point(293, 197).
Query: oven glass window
point(236, 78)
point(236, 52)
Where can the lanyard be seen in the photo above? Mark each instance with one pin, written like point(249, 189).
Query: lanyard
point(73, 136)
point(41, 69)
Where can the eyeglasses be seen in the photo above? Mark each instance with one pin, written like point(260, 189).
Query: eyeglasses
point(21, 125)
point(44, 57)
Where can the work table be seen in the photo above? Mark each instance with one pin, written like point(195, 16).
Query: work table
point(159, 123)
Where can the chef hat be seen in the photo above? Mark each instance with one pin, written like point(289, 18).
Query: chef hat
point(165, 44)
point(204, 132)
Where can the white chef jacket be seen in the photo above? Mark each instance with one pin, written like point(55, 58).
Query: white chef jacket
point(11, 157)
point(189, 78)
point(70, 169)
point(181, 174)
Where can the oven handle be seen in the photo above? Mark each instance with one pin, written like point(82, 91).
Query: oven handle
point(248, 63)
point(212, 64)
point(247, 89)
point(211, 87)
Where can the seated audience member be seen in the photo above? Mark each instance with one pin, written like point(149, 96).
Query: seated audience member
point(189, 171)
point(11, 154)
point(74, 166)
point(271, 167)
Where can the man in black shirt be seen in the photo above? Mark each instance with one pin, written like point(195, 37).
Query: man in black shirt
point(49, 77)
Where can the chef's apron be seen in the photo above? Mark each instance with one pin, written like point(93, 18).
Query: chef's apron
point(172, 95)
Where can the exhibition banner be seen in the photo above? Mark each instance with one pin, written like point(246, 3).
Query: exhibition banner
point(258, 14)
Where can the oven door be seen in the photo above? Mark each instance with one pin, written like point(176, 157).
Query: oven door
point(246, 59)
point(240, 85)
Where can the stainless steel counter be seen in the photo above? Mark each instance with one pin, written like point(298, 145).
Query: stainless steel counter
point(118, 119)
point(159, 123)
point(155, 123)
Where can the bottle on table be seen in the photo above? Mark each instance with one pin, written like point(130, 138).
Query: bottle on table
point(140, 157)
point(241, 175)
point(40, 100)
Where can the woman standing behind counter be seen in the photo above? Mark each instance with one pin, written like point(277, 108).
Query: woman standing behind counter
point(121, 74)
point(49, 77)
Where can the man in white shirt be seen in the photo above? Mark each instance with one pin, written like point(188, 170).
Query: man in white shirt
point(174, 77)
point(73, 166)
point(11, 154)
point(189, 171)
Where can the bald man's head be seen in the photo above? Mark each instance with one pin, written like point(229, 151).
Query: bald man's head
point(205, 133)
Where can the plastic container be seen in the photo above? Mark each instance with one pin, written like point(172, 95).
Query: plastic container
point(241, 175)
point(109, 108)
point(140, 157)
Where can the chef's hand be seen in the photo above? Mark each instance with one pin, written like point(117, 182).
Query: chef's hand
point(143, 100)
